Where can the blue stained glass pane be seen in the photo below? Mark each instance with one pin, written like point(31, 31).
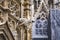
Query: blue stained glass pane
point(36, 25)
point(37, 31)
point(40, 32)
point(45, 31)
point(40, 25)
point(45, 23)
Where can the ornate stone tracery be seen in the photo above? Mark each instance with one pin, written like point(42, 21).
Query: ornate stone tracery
point(15, 8)
point(18, 15)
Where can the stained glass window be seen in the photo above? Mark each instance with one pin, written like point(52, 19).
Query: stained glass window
point(41, 27)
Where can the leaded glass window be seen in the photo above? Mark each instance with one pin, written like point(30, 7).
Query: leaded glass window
point(41, 27)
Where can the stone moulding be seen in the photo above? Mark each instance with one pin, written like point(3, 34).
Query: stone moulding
point(5, 31)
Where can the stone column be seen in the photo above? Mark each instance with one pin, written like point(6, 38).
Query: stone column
point(21, 34)
point(29, 31)
point(26, 5)
point(22, 8)
point(32, 9)
point(28, 34)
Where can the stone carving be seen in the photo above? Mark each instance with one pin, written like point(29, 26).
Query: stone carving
point(15, 8)
point(2, 20)
point(19, 12)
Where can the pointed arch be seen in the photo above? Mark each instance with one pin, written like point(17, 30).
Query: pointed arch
point(5, 31)
point(42, 7)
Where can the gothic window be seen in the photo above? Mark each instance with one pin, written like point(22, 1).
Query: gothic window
point(41, 27)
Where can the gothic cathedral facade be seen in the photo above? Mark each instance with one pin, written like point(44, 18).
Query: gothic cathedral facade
point(26, 19)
